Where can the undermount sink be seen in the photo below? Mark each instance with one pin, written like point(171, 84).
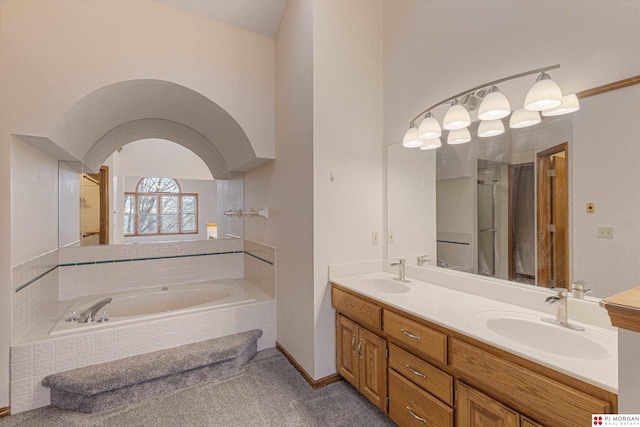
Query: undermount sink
point(530, 331)
point(387, 286)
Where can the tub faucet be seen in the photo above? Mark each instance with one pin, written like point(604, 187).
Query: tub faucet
point(560, 301)
point(401, 271)
point(90, 313)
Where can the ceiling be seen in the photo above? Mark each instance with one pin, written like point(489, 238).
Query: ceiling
point(259, 16)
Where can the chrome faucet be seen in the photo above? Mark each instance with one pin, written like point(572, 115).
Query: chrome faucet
point(401, 271)
point(90, 313)
point(560, 301)
point(422, 259)
point(577, 289)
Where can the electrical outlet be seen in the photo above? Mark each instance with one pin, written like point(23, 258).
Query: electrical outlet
point(392, 238)
point(605, 232)
point(375, 238)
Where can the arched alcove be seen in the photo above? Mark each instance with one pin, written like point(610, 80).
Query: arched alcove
point(120, 113)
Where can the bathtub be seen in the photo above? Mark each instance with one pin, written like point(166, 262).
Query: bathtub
point(153, 303)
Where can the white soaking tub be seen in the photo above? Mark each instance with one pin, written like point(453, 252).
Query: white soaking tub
point(133, 306)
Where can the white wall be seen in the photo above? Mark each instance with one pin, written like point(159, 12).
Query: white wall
point(411, 201)
point(605, 158)
point(68, 204)
point(286, 184)
point(347, 140)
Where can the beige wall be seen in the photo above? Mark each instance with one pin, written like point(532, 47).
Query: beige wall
point(347, 141)
point(285, 185)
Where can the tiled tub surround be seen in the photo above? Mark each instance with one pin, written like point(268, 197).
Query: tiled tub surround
point(96, 270)
point(35, 284)
point(259, 266)
point(84, 271)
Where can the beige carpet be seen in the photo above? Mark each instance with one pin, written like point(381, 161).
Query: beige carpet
point(270, 392)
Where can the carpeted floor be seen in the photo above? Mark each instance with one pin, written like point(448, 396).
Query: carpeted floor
point(270, 392)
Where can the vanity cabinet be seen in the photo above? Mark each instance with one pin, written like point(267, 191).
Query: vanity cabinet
point(476, 409)
point(361, 360)
point(437, 376)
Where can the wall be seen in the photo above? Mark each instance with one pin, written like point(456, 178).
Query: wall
point(411, 199)
point(436, 49)
point(347, 142)
point(285, 185)
point(606, 171)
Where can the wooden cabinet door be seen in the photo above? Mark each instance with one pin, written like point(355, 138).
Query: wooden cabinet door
point(373, 368)
point(346, 349)
point(479, 410)
point(526, 422)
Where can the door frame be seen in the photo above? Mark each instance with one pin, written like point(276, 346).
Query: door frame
point(544, 243)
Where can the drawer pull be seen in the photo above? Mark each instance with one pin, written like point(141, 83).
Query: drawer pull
point(413, 371)
point(352, 342)
point(416, 416)
point(359, 347)
point(415, 337)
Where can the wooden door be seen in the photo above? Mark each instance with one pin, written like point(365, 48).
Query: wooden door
point(346, 348)
point(373, 368)
point(476, 409)
point(552, 217)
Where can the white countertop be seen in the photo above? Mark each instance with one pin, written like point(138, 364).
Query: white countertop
point(467, 313)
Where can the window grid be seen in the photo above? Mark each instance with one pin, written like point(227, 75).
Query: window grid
point(166, 211)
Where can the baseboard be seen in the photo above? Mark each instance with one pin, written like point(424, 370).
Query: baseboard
point(313, 383)
point(4, 412)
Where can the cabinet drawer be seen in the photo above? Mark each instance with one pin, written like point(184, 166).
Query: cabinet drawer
point(364, 312)
point(417, 336)
point(409, 405)
point(430, 378)
point(530, 392)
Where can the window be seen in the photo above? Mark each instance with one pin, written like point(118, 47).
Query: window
point(160, 207)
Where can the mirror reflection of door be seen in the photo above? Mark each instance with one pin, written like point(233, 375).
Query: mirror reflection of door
point(553, 217)
point(95, 208)
point(522, 235)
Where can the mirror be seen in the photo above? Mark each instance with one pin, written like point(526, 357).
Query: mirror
point(150, 190)
point(546, 205)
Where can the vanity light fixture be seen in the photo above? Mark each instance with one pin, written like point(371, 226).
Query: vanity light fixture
point(458, 136)
point(429, 128)
point(544, 96)
point(570, 104)
point(411, 139)
point(522, 118)
point(457, 117)
point(431, 144)
point(494, 106)
point(489, 128)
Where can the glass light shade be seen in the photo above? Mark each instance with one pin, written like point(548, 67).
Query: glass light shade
point(411, 139)
point(489, 128)
point(431, 144)
point(494, 106)
point(457, 117)
point(570, 104)
point(522, 118)
point(458, 136)
point(429, 128)
point(543, 95)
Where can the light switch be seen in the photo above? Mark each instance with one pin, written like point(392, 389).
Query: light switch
point(375, 237)
point(392, 238)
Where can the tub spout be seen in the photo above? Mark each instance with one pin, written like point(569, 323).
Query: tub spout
point(90, 313)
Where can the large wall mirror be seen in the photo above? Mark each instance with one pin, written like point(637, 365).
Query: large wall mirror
point(546, 206)
point(150, 190)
